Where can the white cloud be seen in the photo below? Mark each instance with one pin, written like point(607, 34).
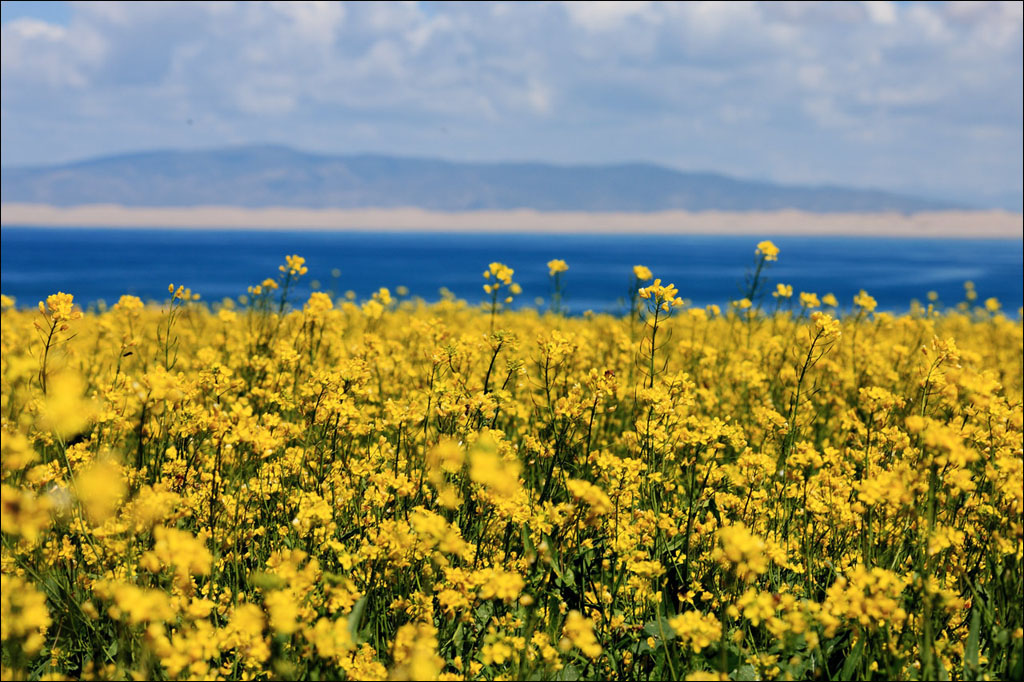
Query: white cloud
point(605, 15)
point(863, 93)
point(33, 29)
point(930, 22)
point(881, 11)
point(539, 97)
point(812, 76)
point(46, 54)
point(313, 21)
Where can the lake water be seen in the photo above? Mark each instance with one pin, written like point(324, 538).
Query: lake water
point(95, 264)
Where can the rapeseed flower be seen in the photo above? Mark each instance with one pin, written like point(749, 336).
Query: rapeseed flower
point(642, 273)
point(101, 489)
point(415, 653)
point(328, 489)
point(23, 614)
point(23, 513)
point(578, 632)
point(500, 272)
point(865, 301)
point(556, 266)
point(741, 550)
point(180, 550)
point(809, 300)
point(60, 308)
point(488, 468)
point(331, 637)
point(783, 291)
point(696, 630)
point(767, 250)
point(828, 328)
point(294, 266)
point(661, 296)
point(66, 411)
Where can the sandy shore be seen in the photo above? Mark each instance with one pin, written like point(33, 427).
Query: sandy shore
point(945, 224)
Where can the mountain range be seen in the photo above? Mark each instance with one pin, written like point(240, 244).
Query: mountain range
point(264, 176)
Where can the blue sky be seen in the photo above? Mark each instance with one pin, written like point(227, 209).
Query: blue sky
point(917, 97)
point(49, 11)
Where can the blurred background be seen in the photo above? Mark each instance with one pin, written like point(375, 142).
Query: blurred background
point(745, 108)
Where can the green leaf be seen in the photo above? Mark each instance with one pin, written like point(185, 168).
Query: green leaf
point(1016, 666)
point(333, 578)
point(484, 612)
point(745, 672)
point(553, 553)
point(971, 652)
point(651, 628)
point(266, 581)
point(568, 673)
point(852, 661)
point(714, 510)
point(528, 547)
point(355, 618)
point(801, 670)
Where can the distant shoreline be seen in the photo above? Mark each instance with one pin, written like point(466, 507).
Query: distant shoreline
point(935, 224)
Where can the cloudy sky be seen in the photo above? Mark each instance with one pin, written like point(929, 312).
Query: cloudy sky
point(917, 97)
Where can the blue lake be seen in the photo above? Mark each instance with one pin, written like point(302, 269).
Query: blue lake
point(103, 264)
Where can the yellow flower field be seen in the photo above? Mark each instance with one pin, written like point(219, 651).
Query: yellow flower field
point(271, 488)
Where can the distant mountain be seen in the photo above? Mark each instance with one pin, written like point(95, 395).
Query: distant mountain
point(261, 176)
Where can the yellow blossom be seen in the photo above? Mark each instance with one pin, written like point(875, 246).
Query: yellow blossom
point(60, 308)
point(696, 630)
point(809, 300)
point(578, 632)
point(24, 614)
point(783, 291)
point(864, 301)
point(768, 250)
point(742, 550)
point(642, 273)
point(556, 266)
point(415, 653)
point(294, 266)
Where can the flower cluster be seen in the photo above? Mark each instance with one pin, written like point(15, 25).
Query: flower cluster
point(334, 488)
point(556, 266)
point(661, 296)
point(767, 250)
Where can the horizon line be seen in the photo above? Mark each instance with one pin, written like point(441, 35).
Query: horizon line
point(963, 224)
